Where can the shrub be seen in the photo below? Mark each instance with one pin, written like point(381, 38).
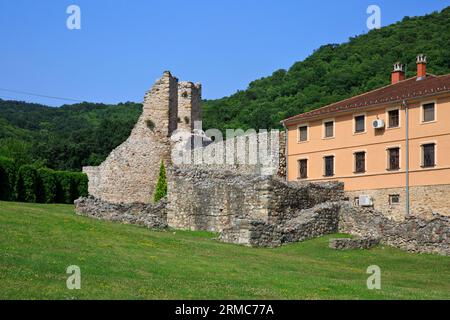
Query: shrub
point(46, 186)
point(37, 184)
point(26, 183)
point(64, 187)
point(79, 185)
point(150, 124)
point(161, 186)
point(7, 179)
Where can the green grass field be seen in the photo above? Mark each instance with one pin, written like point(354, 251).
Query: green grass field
point(38, 243)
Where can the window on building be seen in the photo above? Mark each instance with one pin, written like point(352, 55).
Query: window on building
point(394, 199)
point(329, 129)
point(303, 168)
point(428, 155)
point(428, 112)
point(394, 158)
point(329, 166)
point(360, 123)
point(394, 118)
point(360, 162)
point(303, 133)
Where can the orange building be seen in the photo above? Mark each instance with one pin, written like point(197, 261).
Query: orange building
point(390, 146)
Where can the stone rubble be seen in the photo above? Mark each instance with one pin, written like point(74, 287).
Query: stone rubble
point(153, 216)
point(353, 243)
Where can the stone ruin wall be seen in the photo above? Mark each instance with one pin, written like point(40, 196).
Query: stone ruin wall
point(130, 172)
point(268, 146)
point(413, 234)
point(246, 203)
point(264, 211)
point(232, 204)
point(189, 100)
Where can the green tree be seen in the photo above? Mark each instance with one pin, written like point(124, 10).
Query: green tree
point(16, 149)
point(161, 186)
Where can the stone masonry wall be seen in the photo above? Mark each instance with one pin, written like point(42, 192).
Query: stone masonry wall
point(212, 200)
point(249, 153)
point(353, 243)
point(250, 209)
point(412, 234)
point(129, 174)
point(282, 156)
point(309, 223)
point(424, 201)
point(153, 216)
point(189, 105)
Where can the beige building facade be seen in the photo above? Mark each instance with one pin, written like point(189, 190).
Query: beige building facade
point(386, 145)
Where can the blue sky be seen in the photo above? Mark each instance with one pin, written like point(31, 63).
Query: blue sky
point(125, 45)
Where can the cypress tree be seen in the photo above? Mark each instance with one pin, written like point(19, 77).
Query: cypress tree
point(161, 186)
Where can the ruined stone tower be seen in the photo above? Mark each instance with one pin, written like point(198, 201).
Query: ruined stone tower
point(161, 105)
point(189, 102)
point(129, 174)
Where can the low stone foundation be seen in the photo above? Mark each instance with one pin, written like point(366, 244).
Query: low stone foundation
point(353, 243)
point(307, 224)
point(412, 234)
point(249, 209)
point(149, 215)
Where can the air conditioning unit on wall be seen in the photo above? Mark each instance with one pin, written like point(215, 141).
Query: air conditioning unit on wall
point(365, 201)
point(378, 124)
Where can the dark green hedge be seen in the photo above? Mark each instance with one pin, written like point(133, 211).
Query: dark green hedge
point(46, 185)
point(36, 184)
point(26, 183)
point(7, 179)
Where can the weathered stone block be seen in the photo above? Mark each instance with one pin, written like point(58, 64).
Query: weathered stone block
point(353, 243)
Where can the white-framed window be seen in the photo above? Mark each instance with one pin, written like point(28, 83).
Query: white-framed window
point(359, 123)
point(328, 130)
point(302, 168)
point(393, 118)
point(394, 199)
point(328, 165)
point(393, 158)
point(302, 133)
point(360, 161)
point(428, 154)
point(428, 112)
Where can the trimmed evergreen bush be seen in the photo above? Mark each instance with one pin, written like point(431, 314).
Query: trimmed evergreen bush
point(64, 187)
point(81, 182)
point(27, 183)
point(46, 185)
point(161, 186)
point(7, 179)
point(37, 184)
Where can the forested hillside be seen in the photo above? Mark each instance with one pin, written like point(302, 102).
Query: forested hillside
point(64, 138)
point(334, 72)
point(72, 136)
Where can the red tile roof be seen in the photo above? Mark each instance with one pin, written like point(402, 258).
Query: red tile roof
point(406, 89)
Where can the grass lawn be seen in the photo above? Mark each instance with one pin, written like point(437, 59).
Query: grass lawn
point(38, 243)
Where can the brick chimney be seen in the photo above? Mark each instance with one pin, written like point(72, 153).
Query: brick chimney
point(421, 66)
point(398, 74)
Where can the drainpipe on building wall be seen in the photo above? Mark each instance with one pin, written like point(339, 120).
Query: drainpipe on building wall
point(407, 155)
